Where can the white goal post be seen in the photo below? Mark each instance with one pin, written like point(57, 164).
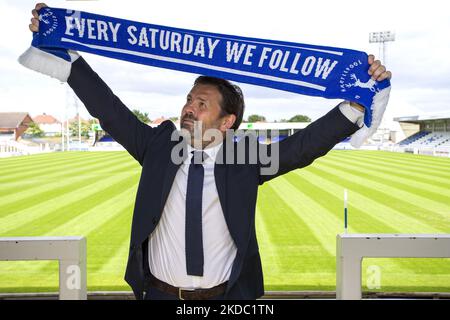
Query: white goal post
point(352, 248)
point(69, 251)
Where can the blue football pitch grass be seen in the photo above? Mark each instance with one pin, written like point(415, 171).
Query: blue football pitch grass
point(298, 216)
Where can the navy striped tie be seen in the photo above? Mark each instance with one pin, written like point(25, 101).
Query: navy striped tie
point(194, 239)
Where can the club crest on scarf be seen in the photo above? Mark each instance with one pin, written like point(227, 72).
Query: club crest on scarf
point(356, 84)
point(48, 21)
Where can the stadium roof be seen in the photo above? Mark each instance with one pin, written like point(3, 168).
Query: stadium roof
point(272, 125)
point(420, 118)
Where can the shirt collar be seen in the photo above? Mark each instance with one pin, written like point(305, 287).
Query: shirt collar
point(210, 152)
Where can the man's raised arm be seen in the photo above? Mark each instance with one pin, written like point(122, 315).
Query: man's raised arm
point(98, 98)
point(303, 147)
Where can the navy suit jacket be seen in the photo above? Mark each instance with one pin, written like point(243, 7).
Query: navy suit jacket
point(237, 184)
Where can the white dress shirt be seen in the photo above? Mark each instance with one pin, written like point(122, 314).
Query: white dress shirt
point(166, 249)
point(167, 258)
point(352, 114)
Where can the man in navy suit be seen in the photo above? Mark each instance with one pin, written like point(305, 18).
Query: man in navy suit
point(193, 232)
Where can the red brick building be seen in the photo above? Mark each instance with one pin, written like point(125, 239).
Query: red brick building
point(13, 124)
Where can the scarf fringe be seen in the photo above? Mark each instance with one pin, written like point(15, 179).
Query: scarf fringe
point(47, 63)
point(379, 104)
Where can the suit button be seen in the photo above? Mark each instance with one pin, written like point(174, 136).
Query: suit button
point(154, 220)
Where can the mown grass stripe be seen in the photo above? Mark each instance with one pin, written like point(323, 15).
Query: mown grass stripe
point(111, 234)
point(399, 196)
point(414, 168)
point(269, 255)
point(35, 212)
point(37, 191)
point(361, 218)
point(410, 160)
point(91, 221)
point(384, 168)
point(428, 167)
point(441, 174)
point(412, 184)
point(48, 163)
point(289, 235)
point(365, 198)
point(71, 209)
point(117, 259)
point(65, 174)
point(441, 161)
point(25, 276)
point(58, 164)
point(323, 223)
point(333, 202)
point(108, 233)
point(94, 218)
point(26, 159)
point(30, 198)
point(56, 158)
point(409, 167)
point(424, 159)
point(321, 194)
point(40, 173)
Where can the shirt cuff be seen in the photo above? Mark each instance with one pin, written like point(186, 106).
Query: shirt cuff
point(352, 114)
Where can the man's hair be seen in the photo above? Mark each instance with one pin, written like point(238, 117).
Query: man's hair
point(232, 97)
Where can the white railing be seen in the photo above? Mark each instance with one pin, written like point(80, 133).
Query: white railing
point(10, 148)
point(440, 151)
point(352, 248)
point(69, 251)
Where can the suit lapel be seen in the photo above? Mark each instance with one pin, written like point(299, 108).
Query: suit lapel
point(220, 176)
point(172, 169)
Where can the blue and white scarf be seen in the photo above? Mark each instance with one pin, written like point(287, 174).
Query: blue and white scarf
point(327, 72)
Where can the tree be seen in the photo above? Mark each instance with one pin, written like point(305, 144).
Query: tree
point(256, 118)
point(143, 116)
point(34, 130)
point(85, 128)
point(300, 118)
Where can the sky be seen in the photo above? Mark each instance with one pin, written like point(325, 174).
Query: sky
point(418, 58)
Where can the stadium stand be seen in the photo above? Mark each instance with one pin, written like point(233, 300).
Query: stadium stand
point(431, 137)
point(415, 137)
point(104, 142)
point(427, 139)
point(106, 139)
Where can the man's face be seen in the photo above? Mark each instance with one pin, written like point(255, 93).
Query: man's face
point(202, 104)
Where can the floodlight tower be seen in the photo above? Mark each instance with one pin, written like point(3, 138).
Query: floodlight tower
point(381, 38)
point(79, 120)
point(67, 108)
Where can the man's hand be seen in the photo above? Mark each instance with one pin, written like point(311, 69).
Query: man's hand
point(54, 62)
point(378, 73)
point(377, 70)
point(34, 25)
